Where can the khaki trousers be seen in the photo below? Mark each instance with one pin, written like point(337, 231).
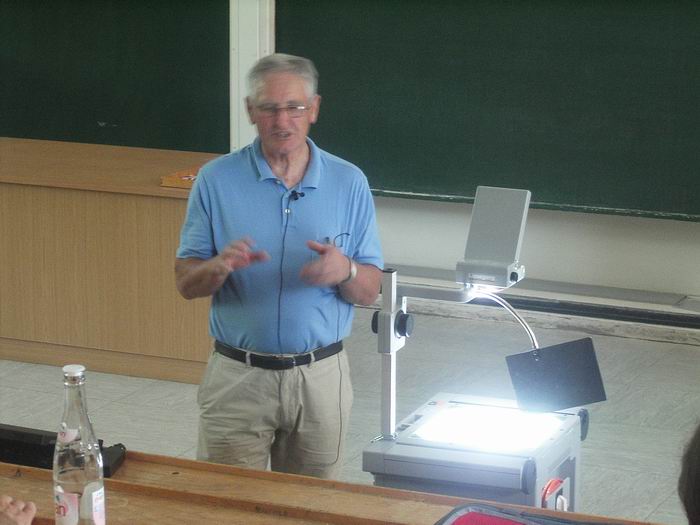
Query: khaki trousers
point(297, 418)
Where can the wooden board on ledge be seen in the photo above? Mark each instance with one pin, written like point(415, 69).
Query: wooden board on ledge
point(180, 179)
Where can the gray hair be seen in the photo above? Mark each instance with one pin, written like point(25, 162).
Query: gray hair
point(282, 63)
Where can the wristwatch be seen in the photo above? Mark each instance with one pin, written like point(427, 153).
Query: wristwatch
point(352, 274)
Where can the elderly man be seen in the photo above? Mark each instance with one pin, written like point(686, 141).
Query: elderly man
point(283, 236)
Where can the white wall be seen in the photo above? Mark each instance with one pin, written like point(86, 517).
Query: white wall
point(591, 249)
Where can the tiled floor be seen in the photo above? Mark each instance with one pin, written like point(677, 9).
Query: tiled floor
point(630, 459)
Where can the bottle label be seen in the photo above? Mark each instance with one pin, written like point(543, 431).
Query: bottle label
point(66, 435)
point(98, 506)
point(67, 507)
point(70, 508)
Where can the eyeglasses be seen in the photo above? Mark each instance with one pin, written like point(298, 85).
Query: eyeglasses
point(293, 110)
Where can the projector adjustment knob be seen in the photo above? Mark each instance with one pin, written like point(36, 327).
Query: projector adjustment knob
point(404, 324)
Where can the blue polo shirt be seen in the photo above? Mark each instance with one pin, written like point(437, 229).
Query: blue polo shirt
point(266, 307)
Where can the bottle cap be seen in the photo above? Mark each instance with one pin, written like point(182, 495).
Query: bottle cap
point(73, 370)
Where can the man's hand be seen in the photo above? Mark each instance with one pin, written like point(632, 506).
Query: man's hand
point(330, 268)
point(240, 254)
point(15, 511)
point(201, 278)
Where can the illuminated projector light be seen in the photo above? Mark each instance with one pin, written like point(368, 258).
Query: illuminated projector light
point(489, 429)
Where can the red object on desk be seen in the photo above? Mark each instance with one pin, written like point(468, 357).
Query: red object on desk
point(480, 515)
point(476, 518)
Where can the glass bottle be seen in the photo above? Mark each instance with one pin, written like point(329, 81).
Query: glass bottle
point(79, 496)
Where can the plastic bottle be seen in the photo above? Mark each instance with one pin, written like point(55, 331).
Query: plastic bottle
point(79, 495)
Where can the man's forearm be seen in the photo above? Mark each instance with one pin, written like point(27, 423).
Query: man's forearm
point(364, 288)
point(199, 277)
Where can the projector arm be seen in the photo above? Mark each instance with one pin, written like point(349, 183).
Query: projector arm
point(393, 325)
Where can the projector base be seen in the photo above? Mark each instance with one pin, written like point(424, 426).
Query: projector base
point(539, 475)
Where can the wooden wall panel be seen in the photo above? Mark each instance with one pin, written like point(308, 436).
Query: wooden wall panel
point(95, 269)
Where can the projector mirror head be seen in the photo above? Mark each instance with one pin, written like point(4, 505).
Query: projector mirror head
point(492, 251)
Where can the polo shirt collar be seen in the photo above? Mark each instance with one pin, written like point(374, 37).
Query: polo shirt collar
point(312, 177)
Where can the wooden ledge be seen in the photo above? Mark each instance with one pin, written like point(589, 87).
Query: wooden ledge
point(151, 489)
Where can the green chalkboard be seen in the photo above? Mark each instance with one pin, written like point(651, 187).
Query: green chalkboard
point(149, 73)
point(592, 105)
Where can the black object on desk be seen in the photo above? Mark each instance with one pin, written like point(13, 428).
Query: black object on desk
point(34, 448)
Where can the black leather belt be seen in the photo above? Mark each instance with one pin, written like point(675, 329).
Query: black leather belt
point(277, 362)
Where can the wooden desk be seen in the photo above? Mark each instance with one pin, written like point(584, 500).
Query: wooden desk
point(150, 490)
point(87, 248)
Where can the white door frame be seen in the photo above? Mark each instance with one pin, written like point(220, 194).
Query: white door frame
point(252, 36)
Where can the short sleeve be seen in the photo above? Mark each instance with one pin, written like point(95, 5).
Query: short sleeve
point(196, 237)
point(367, 247)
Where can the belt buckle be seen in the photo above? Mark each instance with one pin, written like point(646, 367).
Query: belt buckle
point(286, 361)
